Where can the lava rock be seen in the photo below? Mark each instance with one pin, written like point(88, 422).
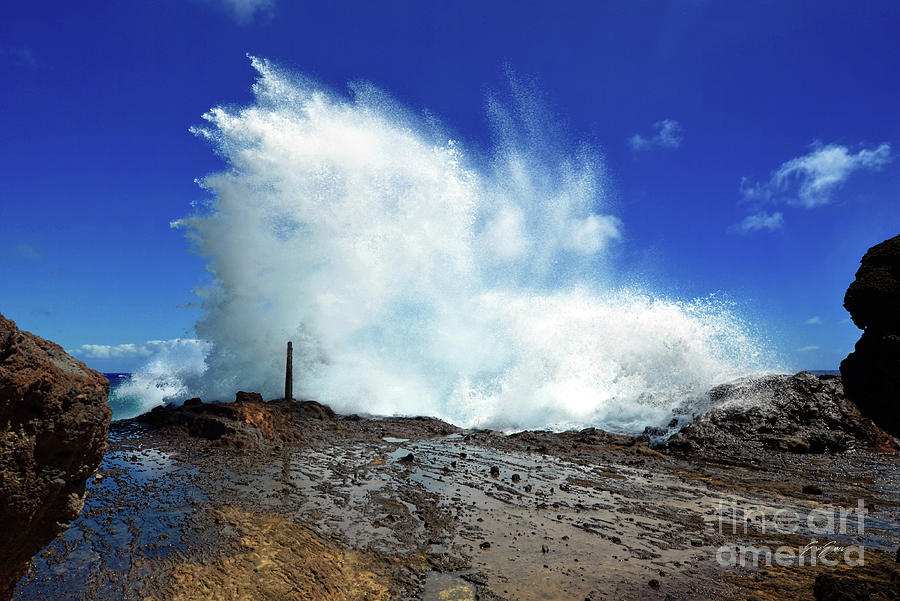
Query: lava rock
point(872, 371)
point(248, 422)
point(873, 298)
point(54, 421)
point(874, 581)
point(802, 413)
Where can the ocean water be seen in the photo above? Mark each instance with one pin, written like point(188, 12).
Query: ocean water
point(416, 274)
point(123, 405)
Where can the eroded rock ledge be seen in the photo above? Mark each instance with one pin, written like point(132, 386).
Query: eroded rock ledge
point(54, 420)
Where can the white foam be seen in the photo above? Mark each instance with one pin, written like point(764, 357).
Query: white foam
point(162, 377)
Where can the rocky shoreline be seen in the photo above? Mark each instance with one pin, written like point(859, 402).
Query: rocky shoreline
point(784, 489)
point(286, 500)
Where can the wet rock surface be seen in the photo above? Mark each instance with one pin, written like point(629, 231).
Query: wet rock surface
point(339, 510)
point(872, 372)
point(798, 414)
point(53, 431)
point(250, 422)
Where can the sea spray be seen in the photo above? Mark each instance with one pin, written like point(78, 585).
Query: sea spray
point(417, 278)
point(162, 377)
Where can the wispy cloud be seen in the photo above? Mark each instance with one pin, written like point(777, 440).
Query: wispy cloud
point(810, 180)
point(815, 320)
point(807, 349)
point(21, 55)
point(807, 181)
point(669, 134)
point(26, 252)
point(125, 351)
point(245, 11)
point(761, 221)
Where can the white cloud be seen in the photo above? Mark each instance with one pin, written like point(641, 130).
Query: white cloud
point(669, 134)
point(245, 10)
point(807, 349)
point(761, 221)
point(807, 181)
point(814, 321)
point(123, 351)
point(810, 180)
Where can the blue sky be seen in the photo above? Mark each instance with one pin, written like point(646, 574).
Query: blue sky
point(752, 147)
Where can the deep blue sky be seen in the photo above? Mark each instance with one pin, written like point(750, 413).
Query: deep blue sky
point(765, 165)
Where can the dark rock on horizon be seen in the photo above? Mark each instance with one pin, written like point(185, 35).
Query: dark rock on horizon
point(872, 372)
point(800, 413)
point(54, 419)
point(252, 423)
point(247, 422)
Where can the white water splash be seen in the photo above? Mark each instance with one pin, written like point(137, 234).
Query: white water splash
point(416, 278)
point(162, 377)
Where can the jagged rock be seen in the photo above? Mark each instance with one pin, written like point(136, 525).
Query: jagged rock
point(54, 420)
point(872, 372)
point(873, 299)
point(247, 422)
point(802, 413)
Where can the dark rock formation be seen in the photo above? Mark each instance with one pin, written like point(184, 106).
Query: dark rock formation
point(251, 423)
point(872, 372)
point(54, 420)
point(802, 413)
point(248, 422)
point(874, 581)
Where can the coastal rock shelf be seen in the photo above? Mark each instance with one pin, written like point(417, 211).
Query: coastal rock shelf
point(351, 507)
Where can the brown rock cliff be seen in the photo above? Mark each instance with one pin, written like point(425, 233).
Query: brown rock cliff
point(54, 419)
